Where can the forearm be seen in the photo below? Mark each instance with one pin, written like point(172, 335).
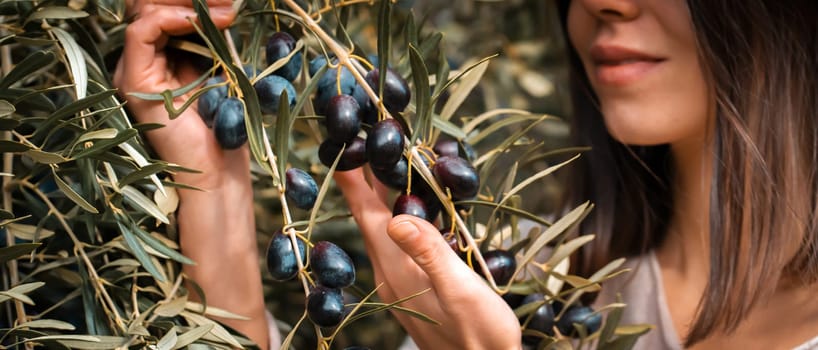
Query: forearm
point(217, 231)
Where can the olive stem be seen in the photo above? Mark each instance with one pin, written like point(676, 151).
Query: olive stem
point(14, 278)
point(154, 316)
point(78, 250)
point(285, 211)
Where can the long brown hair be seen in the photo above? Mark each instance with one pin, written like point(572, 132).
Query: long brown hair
point(761, 60)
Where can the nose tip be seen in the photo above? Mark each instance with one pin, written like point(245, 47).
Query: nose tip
point(612, 10)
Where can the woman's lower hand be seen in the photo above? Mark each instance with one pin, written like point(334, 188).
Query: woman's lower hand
point(408, 256)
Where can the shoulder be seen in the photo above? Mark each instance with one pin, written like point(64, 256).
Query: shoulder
point(640, 289)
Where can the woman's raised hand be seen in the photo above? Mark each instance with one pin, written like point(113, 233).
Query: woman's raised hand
point(217, 227)
point(408, 255)
point(144, 67)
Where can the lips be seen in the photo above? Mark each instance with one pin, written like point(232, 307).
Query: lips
point(619, 66)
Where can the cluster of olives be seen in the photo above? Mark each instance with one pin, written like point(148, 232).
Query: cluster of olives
point(542, 320)
point(331, 269)
point(225, 114)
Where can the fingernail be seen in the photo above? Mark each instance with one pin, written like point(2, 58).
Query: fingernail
point(403, 230)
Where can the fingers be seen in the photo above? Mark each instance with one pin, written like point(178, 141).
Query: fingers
point(146, 38)
point(423, 243)
point(371, 215)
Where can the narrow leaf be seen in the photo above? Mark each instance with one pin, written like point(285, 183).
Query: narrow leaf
point(30, 64)
point(508, 210)
point(45, 157)
point(171, 308)
point(107, 133)
point(142, 162)
point(144, 203)
point(72, 195)
point(142, 173)
point(27, 287)
point(50, 324)
point(29, 232)
point(552, 232)
point(192, 335)
point(466, 83)
point(218, 331)
point(139, 253)
point(8, 146)
point(56, 12)
point(71, 109)
point(101, 342)
point(103, 145)
point(76, 60)
point(568, 248)
point(175, 93)
point(420, 76)
point(384, 41)
point(448, 128)
point(168, 341)
point(282, 141)
point(6, 108)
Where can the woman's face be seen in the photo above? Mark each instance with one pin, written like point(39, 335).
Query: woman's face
point(641, 59)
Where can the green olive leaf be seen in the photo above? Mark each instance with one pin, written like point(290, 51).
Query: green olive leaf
point(16, 251)
point(56, 12)
point(73, 195)
point(76, 59)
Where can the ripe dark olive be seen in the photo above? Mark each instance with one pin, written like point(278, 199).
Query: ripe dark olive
point(451, 240)
point(301, 189)
point(279, 46)
point(329, 85)
point(342, 118)
point(452, 148)
point(250, 71)
point(384, 144)
point(583, 315)
point(513, 300)
point(331, 265)
point(541, 320)
point(316, 64)
point(229, 124)
point(410, 204)
point(396, 93)
point(369, 113)
point(353, 157)
point(281, 261)
point(458, 175)
point(395, 177)
point(501, 265)
point(269, 90)
point(325, 306)
point(209, 101)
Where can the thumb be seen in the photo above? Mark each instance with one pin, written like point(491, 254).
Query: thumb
point(425, 245)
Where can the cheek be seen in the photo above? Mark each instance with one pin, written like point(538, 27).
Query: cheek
point(581, 27)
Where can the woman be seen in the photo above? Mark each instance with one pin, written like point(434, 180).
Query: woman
point(717, 103)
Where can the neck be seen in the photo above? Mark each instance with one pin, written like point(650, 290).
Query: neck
point(687, 246)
